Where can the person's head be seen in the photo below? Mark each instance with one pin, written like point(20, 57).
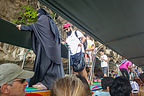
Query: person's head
point(113, 72)
point(13, 80)
point(106, 83)
point(86, 85)
point(87, 37)
point(141, 91)
point(120, 87)
point(68, 86)
point(101, 52)
point(41, 12)
point(67, 27)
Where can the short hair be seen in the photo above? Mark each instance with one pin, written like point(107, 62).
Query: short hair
point(106, 82)
point(101, 50)
point(68, 86)
point(120, 87)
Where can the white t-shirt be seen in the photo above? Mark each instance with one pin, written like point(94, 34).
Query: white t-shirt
point(103, 63)
point(73, 42)
point(89, 45)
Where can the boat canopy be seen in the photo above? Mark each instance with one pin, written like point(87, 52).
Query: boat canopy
point(118, 24)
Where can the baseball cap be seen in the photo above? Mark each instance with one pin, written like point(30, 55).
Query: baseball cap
point(67, 25)
point(10, 71)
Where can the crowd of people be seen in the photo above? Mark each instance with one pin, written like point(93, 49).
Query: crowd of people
point(13, 82)
point(48, 72)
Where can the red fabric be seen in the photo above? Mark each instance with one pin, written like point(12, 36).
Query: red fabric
point(97, 80)
point(32, 94)
point(67, 25)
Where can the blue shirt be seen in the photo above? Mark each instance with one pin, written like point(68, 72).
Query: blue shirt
point(101, 93)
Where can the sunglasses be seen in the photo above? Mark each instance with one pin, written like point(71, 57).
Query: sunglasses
point(66, 29)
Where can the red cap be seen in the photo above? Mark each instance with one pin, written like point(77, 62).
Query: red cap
point(67, 25)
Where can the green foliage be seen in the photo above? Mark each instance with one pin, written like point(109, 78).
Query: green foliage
point(27, 16)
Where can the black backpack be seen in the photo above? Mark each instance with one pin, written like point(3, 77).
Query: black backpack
point(84, 44)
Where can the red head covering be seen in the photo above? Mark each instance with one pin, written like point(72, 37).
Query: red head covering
point(67, 25)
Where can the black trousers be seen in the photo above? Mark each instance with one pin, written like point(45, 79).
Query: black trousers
point(125, 73)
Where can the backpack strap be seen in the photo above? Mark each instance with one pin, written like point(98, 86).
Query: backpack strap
point(77, 35)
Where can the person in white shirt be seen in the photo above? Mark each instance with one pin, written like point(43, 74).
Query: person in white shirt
point(88, 53)
point(89, 49)
point(104, 62)
point(74, 40)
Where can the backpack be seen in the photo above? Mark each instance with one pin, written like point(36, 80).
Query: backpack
point(84, 44)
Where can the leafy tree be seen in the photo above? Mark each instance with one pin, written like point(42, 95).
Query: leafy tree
point(27, 16)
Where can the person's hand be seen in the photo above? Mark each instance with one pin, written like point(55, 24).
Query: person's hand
point(80, 44)
point(63, 43)
point(19, 27)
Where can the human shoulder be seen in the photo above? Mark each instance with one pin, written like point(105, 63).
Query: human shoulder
point(101, 93)
point(129, 63)
point(42, 17)
point(79, 34)
point(105, 56)
point(90, 41)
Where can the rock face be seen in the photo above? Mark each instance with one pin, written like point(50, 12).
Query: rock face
point(9, 9)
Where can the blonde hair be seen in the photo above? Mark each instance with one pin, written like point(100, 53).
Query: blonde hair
point(141, 91)
point(68, 86)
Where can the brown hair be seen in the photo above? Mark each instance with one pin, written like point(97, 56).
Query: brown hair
point(68, 86)
point(141, 91)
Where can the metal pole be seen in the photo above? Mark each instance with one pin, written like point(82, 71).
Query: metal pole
point(24, 58)
point(69, 61)
point(93, 64)
point(108, 69)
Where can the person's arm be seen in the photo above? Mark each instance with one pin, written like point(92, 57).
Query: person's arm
point(105, 59)
point(25, 27)
point(129, 65)
point(63, 43)
point(91, 49)
point(82, 39)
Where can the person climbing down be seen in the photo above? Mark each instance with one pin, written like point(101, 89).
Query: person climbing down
point(75, 40)
point(47, 47)
point(88, 52)
point(124, 66)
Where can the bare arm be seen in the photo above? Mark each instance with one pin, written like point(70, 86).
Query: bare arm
point(91, 49)
point(82, 41)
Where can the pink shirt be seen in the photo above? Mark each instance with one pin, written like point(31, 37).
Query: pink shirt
point(125, 65)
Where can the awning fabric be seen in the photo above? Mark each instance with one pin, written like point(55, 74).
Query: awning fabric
point(11, 35)
point(116, 23)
